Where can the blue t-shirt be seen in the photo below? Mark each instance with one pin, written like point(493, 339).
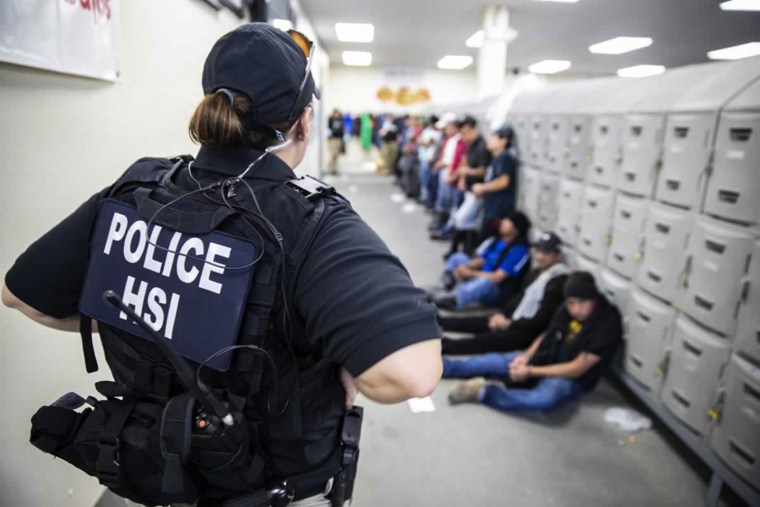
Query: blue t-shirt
point(502, 203)
point(512, 263)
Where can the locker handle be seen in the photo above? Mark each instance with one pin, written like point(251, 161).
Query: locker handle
point(681, 132)
point(745, 290)
point(662, 228)
point(555, 126)
point(603, 129)
point(715, 247)
point(751, 392)
point(577, 127)
point(741, 452)
point(636, 131)
point(574, 164)
point(587, 242)
point(643, 316)
point(630, 176)
point(625, 214)
point(680, 398)
point(592, 204)
point(692, 349)
point(636, 361)
point(703, 303)
point(654, 276)
point(673, 184)
point(599, 169)
point(618, 257)
point(740, 134)
point(728, 196)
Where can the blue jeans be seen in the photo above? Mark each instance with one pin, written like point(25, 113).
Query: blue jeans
point(425, 175)
point(477, 290)
point(445, 199)
point(548, 394)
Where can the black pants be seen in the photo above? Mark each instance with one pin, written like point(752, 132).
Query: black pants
point(476, 324)
point(489, 341)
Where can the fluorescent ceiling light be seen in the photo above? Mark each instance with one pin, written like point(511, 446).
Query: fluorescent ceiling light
point(735, 52)
point(355, 32)
point(454, 62)
point(741, 5)
point(357, 58)
point(282, 24)
point(549, 66)
point(476, 40)
point(641, 71)
point(620, 45)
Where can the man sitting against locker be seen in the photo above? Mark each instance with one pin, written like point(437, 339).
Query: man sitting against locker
point(495, 273)
point(525, 315)
point(561, 364)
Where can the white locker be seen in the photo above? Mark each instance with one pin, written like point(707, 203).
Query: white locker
point(642, 147)
point(532, 186)
point(666, 235)
point(606, 132)
point(547, 211)
point(569, 201)
point(617, 290)
point(747, 339)
point(583, 263)
point(558, 151)
point(734, 186)
point(736, 435)
point(520, 123)
point(688, 142)
point(718, 258)
point(596, 220)
point(579, 149)
point(627, 228)
point(538, 140)
point(569, 256)
point(696, 361)
point(650, 324)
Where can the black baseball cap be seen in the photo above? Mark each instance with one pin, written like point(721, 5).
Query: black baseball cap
point(549, 242)
point(267, 65)
point(505, 132)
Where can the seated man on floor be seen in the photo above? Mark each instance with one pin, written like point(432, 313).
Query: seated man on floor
point(526, 315)
point(564, 362)
point(493, 276)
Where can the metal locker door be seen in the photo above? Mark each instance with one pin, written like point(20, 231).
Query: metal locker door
point(522, 134)
point(569, 256)
point(558, 151)
point(696, 361)
point(547, 212)
point(580, 146)
point(606, 159)
point(616, 289)
point(650, 324)
point(627, 226)
point(688, 142)
point(642, 148)
point(718, 258)
point(583, 263)
point(569, 200)
point(736, 436)
point(666, 235)
point(747, 338)
point(538, 139)
point(596, 220)
point(734, 185)
point(532, 184)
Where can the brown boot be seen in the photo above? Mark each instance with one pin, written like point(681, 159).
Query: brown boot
point(467, 392)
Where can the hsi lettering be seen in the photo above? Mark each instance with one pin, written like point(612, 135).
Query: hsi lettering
point(157, 301)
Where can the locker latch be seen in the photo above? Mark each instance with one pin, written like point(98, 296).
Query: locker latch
point(716, 410)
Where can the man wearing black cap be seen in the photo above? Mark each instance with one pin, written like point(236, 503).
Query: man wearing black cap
point(279, 296)
point(494, 275)
point(526, 314)
point(561, 364)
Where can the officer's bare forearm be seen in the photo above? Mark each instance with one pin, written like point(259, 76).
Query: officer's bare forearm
point(412, 372)
point(65, 324)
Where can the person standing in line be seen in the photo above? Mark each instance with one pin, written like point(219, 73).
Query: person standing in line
point(335, 132)
point(389, 136)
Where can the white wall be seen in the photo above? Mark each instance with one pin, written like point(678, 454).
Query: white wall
point(62, 138)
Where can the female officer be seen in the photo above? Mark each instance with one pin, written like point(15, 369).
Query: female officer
point(349, 311)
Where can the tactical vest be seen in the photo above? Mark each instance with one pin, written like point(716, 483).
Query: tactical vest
point(145, 441)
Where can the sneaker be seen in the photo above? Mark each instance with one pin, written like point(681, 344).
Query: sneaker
point(467, 392)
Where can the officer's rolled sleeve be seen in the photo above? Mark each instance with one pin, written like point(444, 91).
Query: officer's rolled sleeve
point(357, 298)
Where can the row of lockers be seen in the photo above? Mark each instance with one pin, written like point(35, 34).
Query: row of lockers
point(701, 152)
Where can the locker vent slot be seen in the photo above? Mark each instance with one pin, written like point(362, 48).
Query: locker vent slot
point(751, 392)
point(577, 127)
point(630, 176)
point(703, 303)
point(603, 129)
point(728, 196)
point(673, 184)
point(654, 276)
point(586, 242)
point(662, 228)
point(591, 204)
point(741, 452)
point(714, 247)
point(555, 126)
point(681, 132)
point(681, 399)
point(625, 214)
point(574, 164)
point(636, 131)
point(618, 257)
point(636, 361)
point(740, 134)
point(599, 169)
point(688, 347)
point(643, 316)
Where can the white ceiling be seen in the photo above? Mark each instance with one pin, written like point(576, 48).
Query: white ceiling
point(417, 33)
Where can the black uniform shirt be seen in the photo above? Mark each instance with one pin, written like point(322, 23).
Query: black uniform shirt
point(356, 298)
point(477, 156)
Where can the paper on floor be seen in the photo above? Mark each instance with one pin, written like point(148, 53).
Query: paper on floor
point(421, 404)
point(628, 419)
